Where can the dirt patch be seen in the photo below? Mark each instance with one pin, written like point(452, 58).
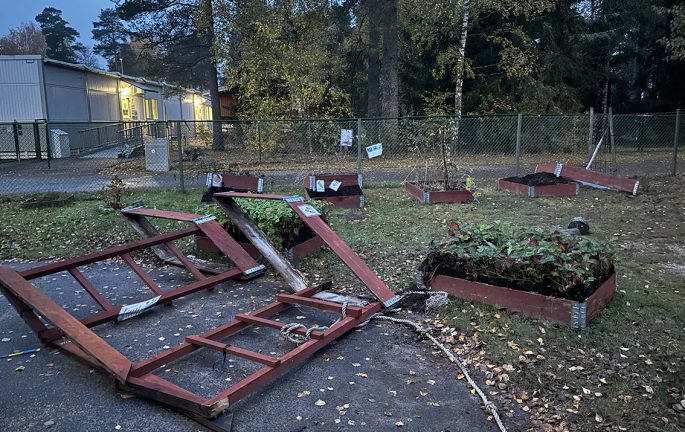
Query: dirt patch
point(355, 217)
point(538, 179)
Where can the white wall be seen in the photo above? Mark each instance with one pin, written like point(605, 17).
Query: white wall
point(66, 94)
point(20, 89)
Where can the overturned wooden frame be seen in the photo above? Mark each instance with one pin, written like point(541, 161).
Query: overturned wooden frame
point(74, 336)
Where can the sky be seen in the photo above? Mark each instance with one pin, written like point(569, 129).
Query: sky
point(80, 14)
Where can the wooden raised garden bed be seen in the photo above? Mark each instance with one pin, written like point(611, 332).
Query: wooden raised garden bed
point(573, 313)
point(556, 276)
point(591, 178)
point(540, 185)
point(349, 192)
point(427, 196)
point(230, 182)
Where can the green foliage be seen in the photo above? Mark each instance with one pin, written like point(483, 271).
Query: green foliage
point(60, 37)
point(529, 259)
point(274, 217)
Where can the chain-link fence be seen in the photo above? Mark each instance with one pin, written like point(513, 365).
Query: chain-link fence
point(69, 157)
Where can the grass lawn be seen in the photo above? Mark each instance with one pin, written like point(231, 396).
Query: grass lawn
point(622, 373)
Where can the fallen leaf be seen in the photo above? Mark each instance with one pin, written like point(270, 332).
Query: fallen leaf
point(598, 418)
point(362, 374)
point(319, 403)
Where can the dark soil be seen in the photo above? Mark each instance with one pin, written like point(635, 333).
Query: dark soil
point(342, 191)
point(47, 200)
point(538, 179)
point(431, 266)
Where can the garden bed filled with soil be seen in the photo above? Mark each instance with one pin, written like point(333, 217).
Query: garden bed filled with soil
point(540, 185)
point(434, 192)
point(231, 182)
point(551, 275)
point(341, 191)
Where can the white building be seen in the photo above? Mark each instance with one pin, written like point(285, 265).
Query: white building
point(33, 87)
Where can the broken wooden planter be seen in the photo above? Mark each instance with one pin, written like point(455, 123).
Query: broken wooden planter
point(573, 313)
point(431, 197)
point(342, 191)
point(227, 182)
point(544, 187)
point(294, 253)
point(591, 178)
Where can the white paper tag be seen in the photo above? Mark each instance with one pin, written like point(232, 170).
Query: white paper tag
point(346, 137)
point(217, 180)
point(320, 186)
point(335, 185)
point(129, 311)
point(308, 210)
point(208, 182)
point(374, 150)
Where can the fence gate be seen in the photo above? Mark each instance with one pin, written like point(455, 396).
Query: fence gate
point(57, 327)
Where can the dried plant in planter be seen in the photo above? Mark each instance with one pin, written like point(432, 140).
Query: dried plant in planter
point(283, 227)
point(553, 264)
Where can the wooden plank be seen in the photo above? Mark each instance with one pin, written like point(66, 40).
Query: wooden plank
point(159, 389)
point(599, 300)
point(25, 312)
point(414, 191)
point(229, 247)
point(353, 311)
point(234, 350)
point(185, 261)
point(349, 257)
point(257, 237)
point(288, 361)
point(264, 322)
point(94, 293)
point(162, 214)
point(107, 253)
point(137, 269)
point(110, 359)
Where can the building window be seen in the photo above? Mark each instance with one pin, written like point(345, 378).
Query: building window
point(151, 111)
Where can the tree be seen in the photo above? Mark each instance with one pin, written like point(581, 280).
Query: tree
point(183, 35)
point(389, 106)
point(111, 36)
point(25, 39)
point(675, 41)
point(373, 97)
point(59, 36)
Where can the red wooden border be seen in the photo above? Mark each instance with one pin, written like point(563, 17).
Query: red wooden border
point(592, 178)
point(433, 197)
point(553, 190)
point(295, 253)
point(346, 180)
point(529, 303)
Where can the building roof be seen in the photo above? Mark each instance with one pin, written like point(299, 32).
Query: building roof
point(76, 66)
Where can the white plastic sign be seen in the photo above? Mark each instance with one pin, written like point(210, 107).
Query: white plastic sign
point(346, 137)
point(335, 185)
point(214, 179)
point(320, 186)
point(375, 150)
point(129, 311)
point(308, 210)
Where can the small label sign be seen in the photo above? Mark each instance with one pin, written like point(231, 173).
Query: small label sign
point(131, 310)
point(214, 180)
point(335, 185)
point(346, 137)
point(375, 150)
point(320, 186)
point(308, 210)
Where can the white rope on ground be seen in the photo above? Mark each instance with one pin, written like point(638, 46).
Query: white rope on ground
point(288, 329)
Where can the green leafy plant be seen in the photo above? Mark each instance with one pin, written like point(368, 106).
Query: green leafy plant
point(556, 264)
point(278, 221)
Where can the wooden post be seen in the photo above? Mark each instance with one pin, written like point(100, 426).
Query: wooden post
point(675, 142)
point(180, 158)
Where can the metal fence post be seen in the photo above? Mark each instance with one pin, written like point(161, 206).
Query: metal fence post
point(675, 142)
point(36, 140)
point(15, 130)
point(611, 136)
point(359, 146)
point(591, 134)
point(259, 140)
point(518, 144)
point(180, 157)
point(47, 142)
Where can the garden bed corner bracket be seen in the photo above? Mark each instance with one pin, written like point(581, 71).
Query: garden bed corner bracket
point(579, 315)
